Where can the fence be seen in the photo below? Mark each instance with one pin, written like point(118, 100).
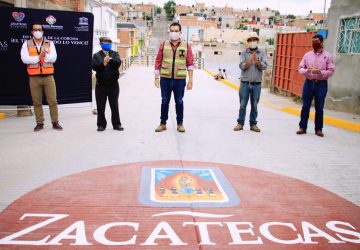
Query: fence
point(290, 48)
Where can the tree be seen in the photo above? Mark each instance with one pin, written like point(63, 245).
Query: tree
point(277, 13)
point(169, 7)
point(291, 16)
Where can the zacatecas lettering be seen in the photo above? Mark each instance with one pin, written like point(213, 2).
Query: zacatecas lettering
point(343, 232)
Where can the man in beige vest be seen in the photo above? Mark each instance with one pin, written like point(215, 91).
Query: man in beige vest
point(39, 54)
point(173, 62)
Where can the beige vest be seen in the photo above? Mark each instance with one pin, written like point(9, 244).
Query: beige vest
point(169, 67)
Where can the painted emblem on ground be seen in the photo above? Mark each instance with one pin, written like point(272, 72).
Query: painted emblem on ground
point(179, 205)
point(184, 187)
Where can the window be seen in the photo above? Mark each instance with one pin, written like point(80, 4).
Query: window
point(349, 36)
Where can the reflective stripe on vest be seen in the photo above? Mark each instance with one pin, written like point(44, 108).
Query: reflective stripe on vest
point(180, 71)
point(42, 67)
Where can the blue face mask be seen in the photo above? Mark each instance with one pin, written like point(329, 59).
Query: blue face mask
point(106, 46)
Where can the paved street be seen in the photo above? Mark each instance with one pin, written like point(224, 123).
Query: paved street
point(29, 160)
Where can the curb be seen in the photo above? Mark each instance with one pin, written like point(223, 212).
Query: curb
point(226, 82)
point(351, 126)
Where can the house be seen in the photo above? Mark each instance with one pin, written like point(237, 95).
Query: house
point(129, 39)
point(343, 43)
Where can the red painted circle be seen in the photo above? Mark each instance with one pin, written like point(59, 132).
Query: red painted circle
point(274, 211)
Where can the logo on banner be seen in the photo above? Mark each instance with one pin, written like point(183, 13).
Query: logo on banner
point(18, 16)
point(84, 25)
point(51, 20)
point(83, 21)
point(179, 187)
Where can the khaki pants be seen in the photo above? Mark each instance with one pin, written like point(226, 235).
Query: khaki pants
point(46, 84)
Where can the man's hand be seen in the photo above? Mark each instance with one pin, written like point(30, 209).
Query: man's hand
point(251, 60)
point(42, 54)
point(258, 63)
point(157, 82)
point(189, 85)
point(313, 70)
point(106, 60)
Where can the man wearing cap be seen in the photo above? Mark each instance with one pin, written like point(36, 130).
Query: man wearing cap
point(317, 66)
point(39, 54)
point(252, 64)
point(173, 62)
point(106, 63)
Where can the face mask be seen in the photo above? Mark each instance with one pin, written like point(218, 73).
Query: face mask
point(174, 36)
point(38, 34)
point(106, 46)
point(316, 46)
point(253, 45)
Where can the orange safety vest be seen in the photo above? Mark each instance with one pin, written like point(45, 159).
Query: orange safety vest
point(42, 67)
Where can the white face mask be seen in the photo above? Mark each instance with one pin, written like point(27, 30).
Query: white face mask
point(38, 34)
point(253, 45)
point(174, 36)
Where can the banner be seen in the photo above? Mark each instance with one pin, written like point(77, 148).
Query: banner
point(72, 34)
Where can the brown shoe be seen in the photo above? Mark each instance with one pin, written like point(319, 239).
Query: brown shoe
point(38, 127)
point(255, 128)
point(319, 133)
point(180, 128)
point(238, 127)
point(57, 126)
point(301, 131)
point(161, 128)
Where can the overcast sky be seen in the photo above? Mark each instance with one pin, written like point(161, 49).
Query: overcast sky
point(297, 7)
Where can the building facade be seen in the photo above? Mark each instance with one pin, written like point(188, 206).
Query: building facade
point(344, 43)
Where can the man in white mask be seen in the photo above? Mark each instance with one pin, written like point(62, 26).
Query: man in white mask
point(39, 54)
point(173, 62)
point(252, 64)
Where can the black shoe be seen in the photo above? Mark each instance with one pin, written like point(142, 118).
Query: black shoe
point(57, 126)
point(119, 128)
point(100, 128)
point(38, 127)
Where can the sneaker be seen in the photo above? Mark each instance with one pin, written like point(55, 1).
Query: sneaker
point(119, 128)
point(238, 127)
point(100, 128)
point(57, 126)
point(161, 128)
point(319, 133)
point(255, 128)
point(301, 131)
point(38, 127)
point(180, 128)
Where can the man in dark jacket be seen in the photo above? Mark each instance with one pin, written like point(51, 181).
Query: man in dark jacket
point(106, 63)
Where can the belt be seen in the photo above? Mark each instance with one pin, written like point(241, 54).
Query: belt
point(43, 75)
point(316, 81)
point(251, 83)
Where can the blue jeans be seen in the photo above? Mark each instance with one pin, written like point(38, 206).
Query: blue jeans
point(317, 91)
point(253, 91)
point(177, 86)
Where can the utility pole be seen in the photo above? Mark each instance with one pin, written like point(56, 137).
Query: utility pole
point(323, 22)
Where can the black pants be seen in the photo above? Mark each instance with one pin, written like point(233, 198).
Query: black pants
point(101, 94)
